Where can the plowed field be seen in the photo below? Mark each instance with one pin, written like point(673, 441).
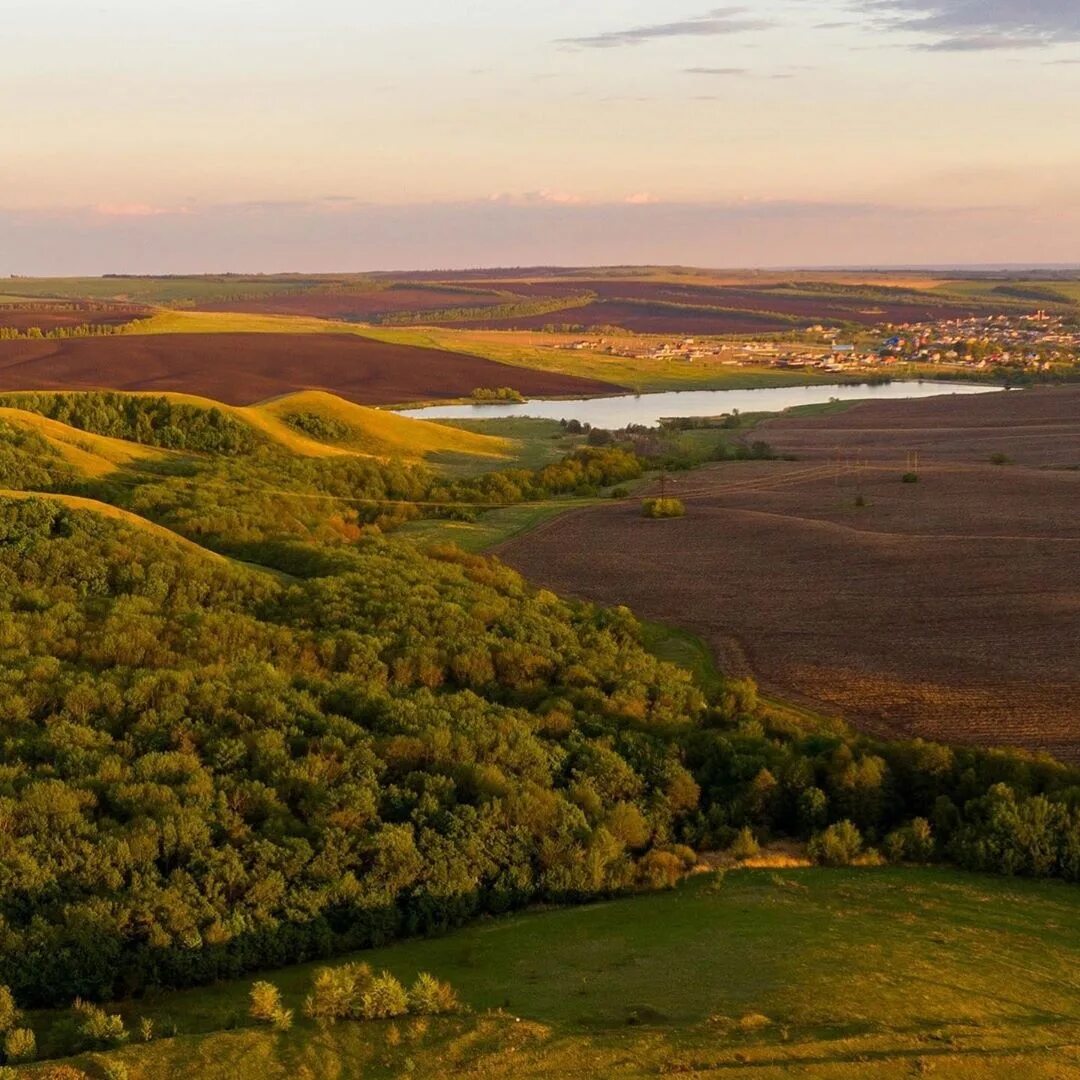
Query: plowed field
point(947, 608)
point(243, 368)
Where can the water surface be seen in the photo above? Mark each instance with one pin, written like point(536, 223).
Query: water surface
point(649, 409)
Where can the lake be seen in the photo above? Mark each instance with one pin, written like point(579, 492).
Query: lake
point(649, 409)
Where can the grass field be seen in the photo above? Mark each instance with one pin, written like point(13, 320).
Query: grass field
point(758, 974)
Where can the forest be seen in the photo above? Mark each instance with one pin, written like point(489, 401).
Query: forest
point(209, 768)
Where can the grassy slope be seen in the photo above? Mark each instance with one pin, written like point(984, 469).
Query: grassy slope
point(379, 432)
point(373, 432)
point(889, 973)
point(77, 502)
point(91, 455)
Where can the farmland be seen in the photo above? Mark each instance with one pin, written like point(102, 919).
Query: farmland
point(910, 608)
point(760, 973)
point(244, 368)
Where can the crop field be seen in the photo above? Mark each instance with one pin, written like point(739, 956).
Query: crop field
point(659, 307)
point(22, 315)
point(358, 303)
point(816, 974)
point(243, 368)
point(947, 608)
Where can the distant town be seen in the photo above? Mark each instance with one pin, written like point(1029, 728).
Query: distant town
point(1036, 342)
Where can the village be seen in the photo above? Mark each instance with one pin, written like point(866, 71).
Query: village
point(1037, 342)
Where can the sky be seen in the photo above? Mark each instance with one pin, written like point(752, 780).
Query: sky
point(333, 135)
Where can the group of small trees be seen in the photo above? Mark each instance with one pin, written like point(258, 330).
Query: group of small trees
point(355, 992)
point(18, 1042)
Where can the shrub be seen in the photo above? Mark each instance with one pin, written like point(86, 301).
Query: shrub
point(384, 998)
point(282, 1019)
point(265, 1001)
point(499, 393)
point(429, 996)
point(838, 845)
point(146, 1029)
point(114, 1070)
point(745, 845)
point(663, 508)
point(860, 501)
point(336, 993)
point(98, 1026)
point(62, 1072)
point(659, 869)
point(323, 428)
point(913, 842)
point(20, 1045)
point(619, 492)
point(9, 1013)
point(909, 478)
point(1000, 459)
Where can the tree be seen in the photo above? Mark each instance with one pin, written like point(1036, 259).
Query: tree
point(20, 1045)
point(838, 845)
point(264, 1001)
point(384, 998)
point(9, 1014)
point(429, 996)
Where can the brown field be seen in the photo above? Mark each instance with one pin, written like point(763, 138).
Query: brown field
point(240, 369)
point(45, 317)
point(948, 608)
point(639, 306)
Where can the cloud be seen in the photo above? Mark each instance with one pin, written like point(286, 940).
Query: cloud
point(982, 25)
point(136, 210)
point(719, 21)
point(720, 71)
point(543, 197)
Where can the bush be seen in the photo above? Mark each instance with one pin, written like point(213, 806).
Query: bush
point(860, 501)
point(745, 845)
point(911, 843)
point(265, 1001)
point(146, 1029)
point(429, 996)
point(499, 393)
point(663, 508)
point(282, 1019)
point(336, 993)
point(619, 492)
point(9, 1013)
point(659, 870)
point(62, 1072)
point(114, 1070)
point(20, 1045)
point(384, 998)
point(838, 845)
point(98, 1026)
point(1000, 459)
point(909, 478)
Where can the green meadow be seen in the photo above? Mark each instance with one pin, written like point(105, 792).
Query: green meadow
point(754, 973)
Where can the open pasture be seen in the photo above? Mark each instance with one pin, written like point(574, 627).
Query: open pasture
point(358, 304)
point(821, 975)
point(947, 608)
point(243, 368)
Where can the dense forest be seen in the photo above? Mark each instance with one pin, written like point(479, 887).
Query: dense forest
point(208, 768)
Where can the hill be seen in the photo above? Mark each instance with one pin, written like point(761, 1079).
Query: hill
point(344, 425)
point(88, 453)
point(812, 974)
